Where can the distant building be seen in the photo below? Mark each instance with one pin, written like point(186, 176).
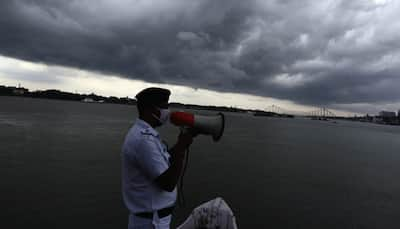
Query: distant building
point(88, 100)
point(387, 114)
point(20, 91)
point(377, 119)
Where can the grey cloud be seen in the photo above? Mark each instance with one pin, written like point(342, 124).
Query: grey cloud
point(315, 53)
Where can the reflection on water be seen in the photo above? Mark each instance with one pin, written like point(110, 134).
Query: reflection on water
point(6, 120)
point(60, 168)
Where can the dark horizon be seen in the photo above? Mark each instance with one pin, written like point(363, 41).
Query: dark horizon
point(62, 95)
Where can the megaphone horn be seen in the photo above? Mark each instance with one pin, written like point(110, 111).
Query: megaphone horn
point(209, 125)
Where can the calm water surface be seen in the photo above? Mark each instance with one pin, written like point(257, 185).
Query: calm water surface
point(60, 168)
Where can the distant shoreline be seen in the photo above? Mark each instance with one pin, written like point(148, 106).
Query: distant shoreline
point(93, 98)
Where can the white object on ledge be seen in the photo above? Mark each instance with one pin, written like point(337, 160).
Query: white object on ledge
point(211, 215)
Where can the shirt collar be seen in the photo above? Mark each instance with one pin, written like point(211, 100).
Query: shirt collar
point(144, 125)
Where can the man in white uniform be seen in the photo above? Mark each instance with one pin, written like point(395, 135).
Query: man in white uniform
point(150, 172)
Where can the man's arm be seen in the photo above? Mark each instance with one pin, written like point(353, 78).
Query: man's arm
point(169, 179)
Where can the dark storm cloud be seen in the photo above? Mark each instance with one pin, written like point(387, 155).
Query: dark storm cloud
point(311, 52)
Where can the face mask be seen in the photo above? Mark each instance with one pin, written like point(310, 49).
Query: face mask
point(164, 115)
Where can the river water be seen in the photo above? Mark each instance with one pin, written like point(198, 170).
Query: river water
point(60, 168)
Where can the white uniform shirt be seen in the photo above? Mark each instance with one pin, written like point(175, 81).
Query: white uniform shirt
point(144, 158)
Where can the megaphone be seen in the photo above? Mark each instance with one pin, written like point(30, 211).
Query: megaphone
point(209, 125)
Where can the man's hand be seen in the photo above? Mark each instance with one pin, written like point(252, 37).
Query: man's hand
point(169, 179)
point(185, 139)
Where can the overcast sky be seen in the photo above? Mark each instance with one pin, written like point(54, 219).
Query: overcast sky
point(339, 54)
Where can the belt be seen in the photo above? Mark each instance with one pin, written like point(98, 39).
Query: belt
point(161, 213)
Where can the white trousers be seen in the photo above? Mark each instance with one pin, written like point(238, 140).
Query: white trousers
point(136, 222)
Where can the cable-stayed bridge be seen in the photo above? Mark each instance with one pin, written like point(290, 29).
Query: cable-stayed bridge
point(319, 113)
point(279, 110)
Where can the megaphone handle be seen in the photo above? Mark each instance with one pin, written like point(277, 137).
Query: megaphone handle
point(183, 129)
point(189, 130)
